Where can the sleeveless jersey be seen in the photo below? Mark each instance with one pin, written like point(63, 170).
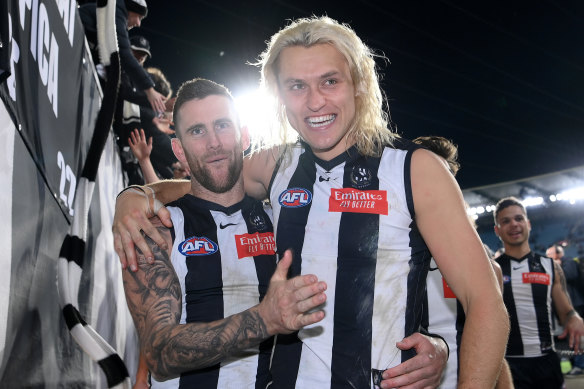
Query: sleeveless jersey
point(224, 259)
point(350, 221)
point(527, 288)
point(446, 318)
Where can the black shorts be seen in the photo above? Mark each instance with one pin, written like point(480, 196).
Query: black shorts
point(537, 373)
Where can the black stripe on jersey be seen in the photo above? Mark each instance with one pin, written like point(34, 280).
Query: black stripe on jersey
point(203, 286)
point(539, 293)
point(419, 264)
point(291, 228)
point(355, 286)
point(265, 266)
point(514, 344)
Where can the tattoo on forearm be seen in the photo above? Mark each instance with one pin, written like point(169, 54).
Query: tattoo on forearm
point(154, 297)
point(562, 279)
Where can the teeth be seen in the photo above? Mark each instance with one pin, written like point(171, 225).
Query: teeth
point(321, 120)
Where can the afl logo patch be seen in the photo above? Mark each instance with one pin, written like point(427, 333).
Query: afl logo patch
point(506, 279)
point(295, 198)
point(361, 177)
point(197, 246)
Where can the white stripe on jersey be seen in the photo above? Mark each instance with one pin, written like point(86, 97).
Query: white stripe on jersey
point(442, 314)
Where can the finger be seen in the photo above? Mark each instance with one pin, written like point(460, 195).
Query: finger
point(129, 250)
point(281, 273)
point(311, 318)
point(119, 248)
point(150, 142)
point(164, 216)
point(310, 287)
point(311, 303)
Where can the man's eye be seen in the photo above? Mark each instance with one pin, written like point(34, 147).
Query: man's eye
point(297, 86)
point(330, 82)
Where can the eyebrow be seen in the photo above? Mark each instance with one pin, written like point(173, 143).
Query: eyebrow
point(292, 80)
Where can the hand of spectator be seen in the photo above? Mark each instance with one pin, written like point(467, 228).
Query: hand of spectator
point(179, 171)
point(422, 371)
point(290, 304)
point(163, 124)
point(133, 208)
point(139, 146)
point(156, 100)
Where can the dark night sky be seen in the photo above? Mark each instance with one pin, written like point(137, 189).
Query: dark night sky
point(503, 79)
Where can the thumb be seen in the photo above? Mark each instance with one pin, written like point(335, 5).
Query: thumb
point(164, 215)
point(281, 273)
point(407, 343)
point(563, 335)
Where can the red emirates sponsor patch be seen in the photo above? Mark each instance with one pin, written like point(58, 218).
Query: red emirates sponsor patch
point(536, 278)
point(250, 245)
point(358, 201)
point(448, 293)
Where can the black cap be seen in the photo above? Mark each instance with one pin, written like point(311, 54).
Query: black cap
point(138, 6)
point(139, 43)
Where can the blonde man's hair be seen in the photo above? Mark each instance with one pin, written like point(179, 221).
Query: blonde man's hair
point(369, 129)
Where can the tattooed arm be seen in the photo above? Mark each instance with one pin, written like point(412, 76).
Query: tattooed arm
point(154, 298)
point(572, 322)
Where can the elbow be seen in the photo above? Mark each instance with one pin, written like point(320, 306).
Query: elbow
point(157, 371)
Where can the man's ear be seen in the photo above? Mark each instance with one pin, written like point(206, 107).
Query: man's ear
point(496, 231)
point(178, 151)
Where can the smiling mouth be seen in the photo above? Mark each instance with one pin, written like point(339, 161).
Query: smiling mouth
point(320, 121)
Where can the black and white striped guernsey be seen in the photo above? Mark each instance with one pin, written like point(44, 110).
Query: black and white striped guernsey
point(224, 259)
point(351, 222)
point(527, 289)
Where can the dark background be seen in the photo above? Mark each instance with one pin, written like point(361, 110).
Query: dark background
point(502, 79)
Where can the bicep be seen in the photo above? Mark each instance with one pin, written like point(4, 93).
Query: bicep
point(443, 222)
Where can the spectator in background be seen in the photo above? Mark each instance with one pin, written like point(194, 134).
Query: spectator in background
point(129, 14)
point(531, 283)
point(573, 278)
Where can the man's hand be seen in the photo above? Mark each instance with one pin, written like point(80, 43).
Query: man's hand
point(131, 217)
point(422, 371)
point(288, 305)
point(575, 329)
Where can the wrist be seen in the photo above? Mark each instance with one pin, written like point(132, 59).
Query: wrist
point(132, 188)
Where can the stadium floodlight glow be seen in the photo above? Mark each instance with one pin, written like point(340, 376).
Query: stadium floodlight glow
point(572, 195)
point(532, 201)
point(254, 107)
point(553, 198)
point(480, 210)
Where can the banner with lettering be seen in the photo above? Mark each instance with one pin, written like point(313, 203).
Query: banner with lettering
point(52, 91)
point(50, 97)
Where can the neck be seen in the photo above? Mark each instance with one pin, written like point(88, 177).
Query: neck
point(517, 251)
point(226, 199)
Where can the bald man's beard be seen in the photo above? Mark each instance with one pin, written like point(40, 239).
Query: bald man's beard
point(204, 176)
